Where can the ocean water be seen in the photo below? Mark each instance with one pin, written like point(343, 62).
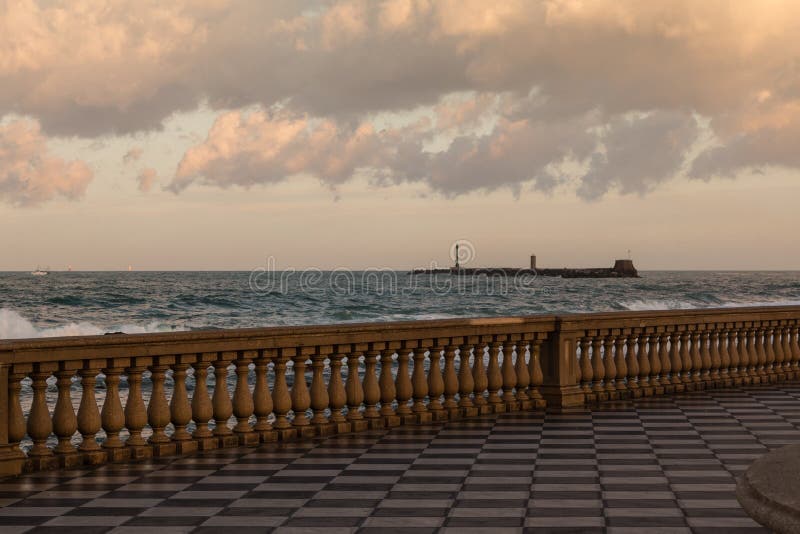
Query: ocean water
point(70, 303)
point(75, 303)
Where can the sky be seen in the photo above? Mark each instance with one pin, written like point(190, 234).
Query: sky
point(217, 134)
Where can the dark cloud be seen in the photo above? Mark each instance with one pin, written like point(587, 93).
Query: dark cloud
point(639, 153)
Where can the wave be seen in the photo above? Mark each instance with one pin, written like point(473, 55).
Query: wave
point(678, 304)
point(15, 326)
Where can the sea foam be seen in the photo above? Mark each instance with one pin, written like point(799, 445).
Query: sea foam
point(15, 326)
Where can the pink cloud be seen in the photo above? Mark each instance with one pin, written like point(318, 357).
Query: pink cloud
point(29, 174)
point(146, 179)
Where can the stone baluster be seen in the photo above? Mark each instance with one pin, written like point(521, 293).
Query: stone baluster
point(756, 348)
point(666, 372)
point(388, 389)
point(262, 400)
point(221, 402)
point(495, 378)
point(16, 419)
point(535, 370)
point(796, 351)
point(726, 366)
point(112, 417)
point(436, 384)
point(337, 394)
point(403, 387)
point(761, 353)
point(509, 377)
point(242, 402)
point(777, 349)
point(466, 384)
point(752, 356)
point(742, 337)
point(355, 393)
point(419, 383)
point(39, 423)
point(372, 391)
point(621, 364)
point(89, 421)
point(320, 400)
point(643, 359)
point(281, 398)
point(65, 423)
point(301, 398)
point(716, 355)
point(450, 381)
point(769, 353)
point(202, 408)
point(598, 368)
point(657, 373)
point(787, 352)
point(632, 360)
point(695, 359)
point(480, 379)
point(676, 362)
point(749, 355)
point(158, 413)
point(747, 351)
point(586, 366)
point(181, 410)
point(790, 354)
point(733, 351)
point(523, 375)
point(705, 358)
point(687, 364)
point(611, 367)
point(135, 414)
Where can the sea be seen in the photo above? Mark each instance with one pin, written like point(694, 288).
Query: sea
point(91, 303)
point(86, 303)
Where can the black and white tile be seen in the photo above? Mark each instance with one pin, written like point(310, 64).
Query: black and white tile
point(664, 465)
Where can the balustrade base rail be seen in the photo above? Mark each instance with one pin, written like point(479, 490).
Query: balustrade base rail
point(295, 383)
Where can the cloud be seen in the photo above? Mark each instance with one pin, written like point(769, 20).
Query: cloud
point(246, 149)
point(92, 68)
point(258, 148)
point(639, 153)
point(768, 139)
point(146, 178)
point(132, 155)
point(29, 174)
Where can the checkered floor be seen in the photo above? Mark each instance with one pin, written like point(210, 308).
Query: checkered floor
point(655, 465)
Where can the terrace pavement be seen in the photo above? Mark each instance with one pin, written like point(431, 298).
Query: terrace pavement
point(664, 464)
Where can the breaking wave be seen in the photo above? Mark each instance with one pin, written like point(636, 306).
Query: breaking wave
point(15, 326)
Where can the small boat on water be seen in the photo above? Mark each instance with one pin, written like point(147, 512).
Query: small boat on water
point(40, 272)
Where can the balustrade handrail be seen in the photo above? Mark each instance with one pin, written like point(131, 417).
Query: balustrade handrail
point(163, 343)
point(153, 344)
point(317, 380)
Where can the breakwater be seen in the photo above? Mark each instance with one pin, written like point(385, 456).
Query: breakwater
point(621, 269)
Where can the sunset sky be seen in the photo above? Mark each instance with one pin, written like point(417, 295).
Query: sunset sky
point(211, 134)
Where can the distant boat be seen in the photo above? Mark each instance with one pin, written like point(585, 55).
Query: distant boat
point(40, 272)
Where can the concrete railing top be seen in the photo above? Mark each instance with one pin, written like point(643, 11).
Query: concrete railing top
point(443, 331)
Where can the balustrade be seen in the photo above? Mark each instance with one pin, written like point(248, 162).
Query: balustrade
point(311, 381)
